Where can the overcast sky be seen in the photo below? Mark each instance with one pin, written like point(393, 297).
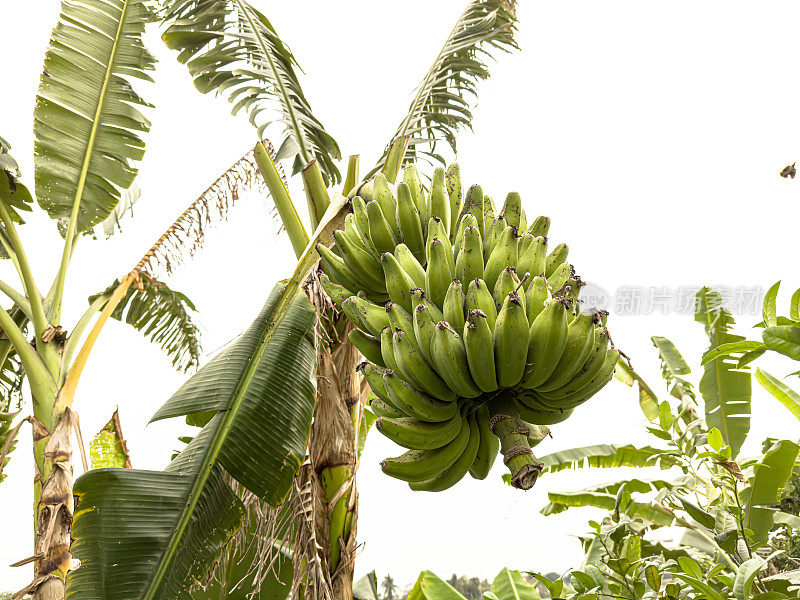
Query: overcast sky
point(651, 132)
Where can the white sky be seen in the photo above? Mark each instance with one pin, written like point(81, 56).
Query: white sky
point(651, 132)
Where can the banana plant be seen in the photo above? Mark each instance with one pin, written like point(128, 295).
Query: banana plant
point(721, 501)
point(781, 335)
point(231, 48)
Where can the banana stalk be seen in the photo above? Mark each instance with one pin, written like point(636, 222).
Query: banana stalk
point(515, 446)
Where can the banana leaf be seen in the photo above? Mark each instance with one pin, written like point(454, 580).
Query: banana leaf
point(785, 395)
point(88, 123)
point(607, 456)
point(430, 587)
point(511, 585)
point(726, 389)
point(156, 535)
point(771, 474)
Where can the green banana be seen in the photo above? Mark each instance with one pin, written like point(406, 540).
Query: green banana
point(548, 335)
point(419, 465)
point(480, 297)
point(416, 370)
point(368, 345)
point(410, 264)
point(371, 315)
point(537, 434)
point(488, 216)
point(450, 360)
point(419, 435)
point(598, 382)
point(588, 370)
point(580, 340)
point(455, 472)
point(412, 180)
point(398, 283)
point(559, 278)
point(360, 262)
point(452, 177)
point(335, 267)
point(382, 409)
point(503, 256)
point(418, 297)
point(493, 236)
point(415, 403)
point(534, 259)
point(512, 209)
point(473, 205)
point(408, 219)
point(537, 416)
point(337, 293)
point(536, 295)
point(440, 269)
point(399, 319)
point(374, 377)
point(557, 256)
point(453, 308)
point(469, 262)
point(511, 341)
point(540, 227)
point(423, 330)
point(382, 194)
point(387, 348)
point(488, 447)
point(380, 230)
point(467, 220)
point(524, 240)
point(480, 350)
point(354, 235)
point(507, 282)
point(362, 221)
point(438, 202)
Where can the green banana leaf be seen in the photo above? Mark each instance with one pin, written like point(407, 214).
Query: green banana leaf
point(162, 314)
point(607, 456)
point(87, 122)
point(561, 501)
point(231, 48)
point(108, 448)
point(153, 535)
point(511, 585)
point(771, 474)
point(785, 395)
point(13, 192)
point(430, 587)
point(441, 106)
point(671, 358)
point(725, 388)
point(145, 534)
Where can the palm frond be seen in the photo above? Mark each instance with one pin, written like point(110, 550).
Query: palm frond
point(161, 314)
point(442, 104)
point(87, 121)
point(231, 48)
point(185, 236)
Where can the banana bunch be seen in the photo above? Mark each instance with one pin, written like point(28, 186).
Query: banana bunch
point(469, 323)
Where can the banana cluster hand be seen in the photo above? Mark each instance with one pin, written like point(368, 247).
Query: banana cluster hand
point(471, 328)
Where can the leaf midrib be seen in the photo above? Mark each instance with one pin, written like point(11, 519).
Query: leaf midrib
point(219, 439)
point(285, 101)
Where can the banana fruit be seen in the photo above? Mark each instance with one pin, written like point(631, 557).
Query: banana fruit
point(470, 325)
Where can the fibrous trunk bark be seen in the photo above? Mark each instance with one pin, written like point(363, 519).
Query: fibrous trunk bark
point(333, 446)
point(53, 503)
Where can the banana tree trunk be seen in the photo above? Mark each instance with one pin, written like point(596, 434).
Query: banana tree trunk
point(53, 503)
point(333, 447)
